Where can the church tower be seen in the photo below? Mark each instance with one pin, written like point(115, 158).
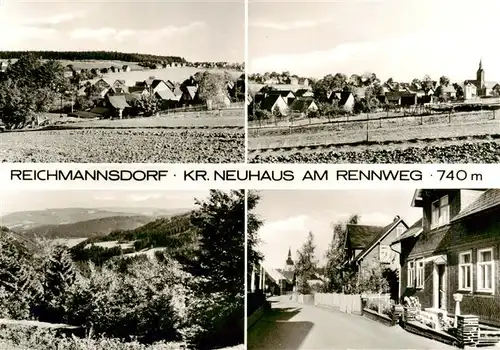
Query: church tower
point(480, 76)
point(289, 261)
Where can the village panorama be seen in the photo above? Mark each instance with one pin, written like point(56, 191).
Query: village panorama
point(363, 119)
point(119, 107)
point(122, 270)
point(346, 270)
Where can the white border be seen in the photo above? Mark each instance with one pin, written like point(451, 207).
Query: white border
point(265, 176)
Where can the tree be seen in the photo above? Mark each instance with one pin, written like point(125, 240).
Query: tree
point(212, 87)
point(444, 81)
point(277, 114)
point(219, 261)
point(335, 255)
point(29, 87)
point(148, 104)
point(254, 256)
point(306, 265)
point(427, 83)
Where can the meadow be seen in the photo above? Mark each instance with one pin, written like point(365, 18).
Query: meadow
point(343, 138)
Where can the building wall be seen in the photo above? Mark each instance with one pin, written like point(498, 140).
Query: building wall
point(373, 257)
point(472, 234)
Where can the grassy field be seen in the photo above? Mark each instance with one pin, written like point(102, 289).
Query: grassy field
point(398, 133)
point(470, 138)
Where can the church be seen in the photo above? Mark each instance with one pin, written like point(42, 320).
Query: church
point(287, 281)
point(479, 87)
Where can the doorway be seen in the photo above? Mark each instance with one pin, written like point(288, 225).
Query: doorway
point(442, 286)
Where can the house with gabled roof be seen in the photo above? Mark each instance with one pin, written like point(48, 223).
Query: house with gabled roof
point(288, 95)
point(303, 105)
point(273, 101)
point(456, 251)
point(189, 96)
point(366, 245)
point(159, 85)
point(344, 99)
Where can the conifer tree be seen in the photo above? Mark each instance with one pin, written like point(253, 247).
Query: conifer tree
point(306, 265)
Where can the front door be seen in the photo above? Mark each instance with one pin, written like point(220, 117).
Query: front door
point(442, 286)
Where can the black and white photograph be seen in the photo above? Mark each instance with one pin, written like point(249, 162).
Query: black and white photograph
point(116, 270)
point(414, 81)
point(122, 81)
point(374, 269)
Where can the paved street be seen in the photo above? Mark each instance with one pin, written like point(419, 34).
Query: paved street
point(290, 325)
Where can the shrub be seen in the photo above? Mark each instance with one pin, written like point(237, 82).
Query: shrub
point(36, 338)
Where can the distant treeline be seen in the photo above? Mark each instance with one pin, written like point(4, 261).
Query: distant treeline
point(94, 55)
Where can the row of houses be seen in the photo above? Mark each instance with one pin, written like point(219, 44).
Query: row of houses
point(453, 248)
point(452, 252)
point(117, 97)
point(292, 80)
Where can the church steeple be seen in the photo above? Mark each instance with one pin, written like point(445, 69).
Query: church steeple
point(289, 261)
point(480, 76)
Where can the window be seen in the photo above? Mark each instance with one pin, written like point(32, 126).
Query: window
point(465, 271)
point(411, 273)
point(440, 212)
point(420, 274)
point(485, 271)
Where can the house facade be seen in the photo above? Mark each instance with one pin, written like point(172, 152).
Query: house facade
point(370, 246)
point(455, 251)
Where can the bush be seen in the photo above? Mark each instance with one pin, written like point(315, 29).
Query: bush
point(215, 321)
point(147, 302)
point(42, 339)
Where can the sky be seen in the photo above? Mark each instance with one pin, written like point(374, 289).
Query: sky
point(289, 216)
point(195, 30)
point(402, 39)
point(13, 201)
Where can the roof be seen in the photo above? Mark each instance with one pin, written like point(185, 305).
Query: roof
point(430, 242)
point(344, 96)
point(301, 104)
point(167, 95)
point(269, 101)
point(132, 89)
point(302, 92)
point(361, 235)
point(489, 199)
point(283, 93)
point(448, 88)
point(101, 111)
point(118, 101)
point(156, 82)
point(413, 231)
point(379, 236)
point(288, 275)
point(191, 90)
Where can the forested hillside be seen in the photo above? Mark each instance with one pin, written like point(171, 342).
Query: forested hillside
point(94, 55)
point(88, 228)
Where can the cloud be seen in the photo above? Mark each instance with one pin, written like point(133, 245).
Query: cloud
point(108, 33)
point(53, 20)
point(288, 25)
point(144, 197)
point(403, 57)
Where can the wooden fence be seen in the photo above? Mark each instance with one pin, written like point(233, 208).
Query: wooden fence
point(369, 121)
point(347, 303)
